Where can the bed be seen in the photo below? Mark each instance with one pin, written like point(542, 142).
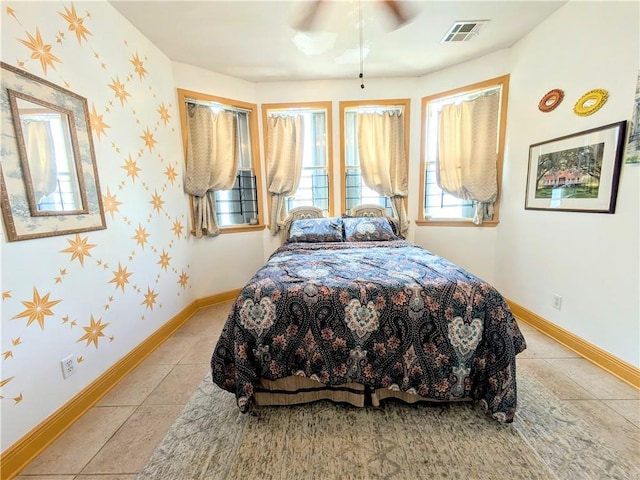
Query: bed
point(347, 310)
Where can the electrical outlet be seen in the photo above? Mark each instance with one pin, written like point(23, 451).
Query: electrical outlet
point(557, 302)
point(68, 365)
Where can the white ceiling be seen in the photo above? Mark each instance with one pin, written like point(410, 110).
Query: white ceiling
point(255, 40)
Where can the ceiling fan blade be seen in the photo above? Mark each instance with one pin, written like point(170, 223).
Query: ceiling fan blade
point(311, 10)
point(308, 16)
point(398, 12)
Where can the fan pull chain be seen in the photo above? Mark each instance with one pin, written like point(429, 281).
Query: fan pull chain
point(361, 76)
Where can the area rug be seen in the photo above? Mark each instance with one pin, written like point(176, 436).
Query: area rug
point(211, 440)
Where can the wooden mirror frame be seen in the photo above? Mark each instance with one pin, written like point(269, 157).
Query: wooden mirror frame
point(22, 219)
point(591, 102)
point(551, 100)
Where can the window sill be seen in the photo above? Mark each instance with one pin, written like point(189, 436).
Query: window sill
point(448, 222)
point(242, 228)
point(239, 228)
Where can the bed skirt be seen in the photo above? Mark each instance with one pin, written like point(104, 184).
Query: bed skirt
point(295, 390)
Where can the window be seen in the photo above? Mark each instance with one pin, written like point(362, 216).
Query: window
point(314, 187)
point(355, 191)
point(437, 207)
point(237, 207)
point(55, 182)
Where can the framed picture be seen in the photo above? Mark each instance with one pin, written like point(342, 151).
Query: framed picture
point(576, 173)
point(48, 173)
point(633, 145)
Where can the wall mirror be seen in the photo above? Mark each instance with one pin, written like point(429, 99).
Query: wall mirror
point(591, 102)
point(48, 172)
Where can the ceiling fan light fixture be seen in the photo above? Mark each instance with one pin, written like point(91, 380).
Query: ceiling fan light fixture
point(464, 31)
point(314, 43)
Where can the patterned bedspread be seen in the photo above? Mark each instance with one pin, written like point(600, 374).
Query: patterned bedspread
point(383, 314)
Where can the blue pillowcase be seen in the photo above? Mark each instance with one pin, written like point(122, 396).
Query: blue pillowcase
point(367, 229)
point(316, 230)
point(341, 229)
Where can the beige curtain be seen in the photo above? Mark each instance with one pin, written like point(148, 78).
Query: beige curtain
point(41, 158)
point(383, 161)
point(212, 163)
point(467, 152)
point(283, 163)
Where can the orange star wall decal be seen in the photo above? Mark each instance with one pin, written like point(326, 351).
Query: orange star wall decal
point(149, 141)
point(164, 113)
point(6, 295)
point(63, 272)
point(183, 280)
point(157, 202)
point(4, 382)
point(132, 168)
point(119, 89)
point(40, 50)
point(37, 309)
point(149, 298)
point(93, 332)
point(110, 203)
point(177, 228)
point(138, 66)
point(171, 174)
point(78, 249)
point(120, 277)
point(97, 124)
point(75, 23)
point(141, 236)
point(164, 260)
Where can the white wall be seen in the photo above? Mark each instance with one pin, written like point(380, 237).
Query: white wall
point(527, 256)
point(228, 261)
point(452, 243)
point(472, 248)
point(348, 90)
point(591, 260)
point(78, 292)
point(196, 79)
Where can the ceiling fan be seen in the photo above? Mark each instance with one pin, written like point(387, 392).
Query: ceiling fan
point(394, 8)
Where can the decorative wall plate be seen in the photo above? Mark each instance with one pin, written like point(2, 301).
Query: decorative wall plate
point(551, 100)
point(591, 102)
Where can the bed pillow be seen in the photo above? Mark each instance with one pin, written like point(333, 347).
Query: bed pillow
point(367, 229)
point(316, 230)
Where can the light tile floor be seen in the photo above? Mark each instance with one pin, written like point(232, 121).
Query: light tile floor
point(115, 438)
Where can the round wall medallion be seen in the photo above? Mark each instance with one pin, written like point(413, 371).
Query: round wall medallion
point(551, 100)
point(591, 102)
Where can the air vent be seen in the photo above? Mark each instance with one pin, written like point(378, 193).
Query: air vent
point(464, 31)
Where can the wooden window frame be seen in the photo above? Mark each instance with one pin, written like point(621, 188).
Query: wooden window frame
point(344, 105)
point(183, 95)
point(267, 107)
point(502, 81)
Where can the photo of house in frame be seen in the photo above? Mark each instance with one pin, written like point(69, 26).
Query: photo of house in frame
point(632, 154)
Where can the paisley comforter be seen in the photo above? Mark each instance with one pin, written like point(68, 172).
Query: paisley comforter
point(382, 314)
